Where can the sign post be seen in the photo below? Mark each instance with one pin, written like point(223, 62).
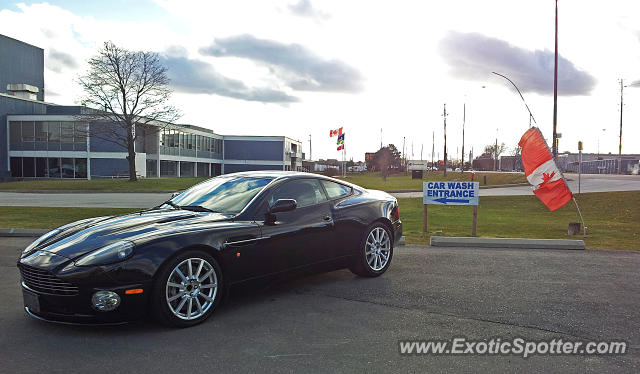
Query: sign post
point(451, 193)
point(579, 164)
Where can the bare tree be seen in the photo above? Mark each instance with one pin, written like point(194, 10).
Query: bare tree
point(129, 92)
point(495, 151)
point(516, 151)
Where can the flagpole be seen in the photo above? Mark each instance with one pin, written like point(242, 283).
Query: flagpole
point(584, 228)
point(344, 161)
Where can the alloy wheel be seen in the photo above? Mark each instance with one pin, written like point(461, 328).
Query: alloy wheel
point(191, 288)
point(378, 248)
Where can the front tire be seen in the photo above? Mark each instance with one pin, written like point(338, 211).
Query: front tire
point(375, 251)
point(187, 289)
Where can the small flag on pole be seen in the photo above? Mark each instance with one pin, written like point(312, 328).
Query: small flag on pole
point(541, 171)
point(337, 132)
point(340, 141)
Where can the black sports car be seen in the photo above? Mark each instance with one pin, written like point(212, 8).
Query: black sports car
point(177, 260)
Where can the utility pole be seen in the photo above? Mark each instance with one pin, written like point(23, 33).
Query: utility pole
point(444, 115)
point(381, 138)
point(495, 160)
point(464, 118)
point(310, 157)
point(555, 93)
point(421, 149)
point(620, 145)
point(404, 156)
point(433, 147)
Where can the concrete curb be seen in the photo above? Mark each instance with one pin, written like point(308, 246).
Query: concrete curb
point(441, 241)
point(24, 233)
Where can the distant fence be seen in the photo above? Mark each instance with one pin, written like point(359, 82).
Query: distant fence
point(609, 166)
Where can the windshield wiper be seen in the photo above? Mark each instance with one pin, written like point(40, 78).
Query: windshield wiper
point(197, 208)
point(172, 204)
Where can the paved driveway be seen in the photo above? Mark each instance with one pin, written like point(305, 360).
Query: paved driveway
point(336, 322)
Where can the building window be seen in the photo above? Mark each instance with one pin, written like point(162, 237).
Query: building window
point(168, 168)
point(189, 141)
point(27, 131)
point(28, 167)
point(54, 167)
point(80, 133)
point(66, 132)
point(80, 168)
point(16, 167)
point(41, 131)
point(67, 168)
point(53, 131)
point(41, 167)
point(15, 136)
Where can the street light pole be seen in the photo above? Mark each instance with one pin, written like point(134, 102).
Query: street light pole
point(495, 160)
point(433, 147)
point(444, 115)
point(603, 131)
point(464, 118)
point(620, 145)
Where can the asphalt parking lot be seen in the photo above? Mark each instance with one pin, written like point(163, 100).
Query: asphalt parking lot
point(336, 322)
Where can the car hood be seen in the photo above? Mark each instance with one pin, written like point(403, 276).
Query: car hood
point(81, 237)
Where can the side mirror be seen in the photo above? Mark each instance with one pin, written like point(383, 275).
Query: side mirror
point(283, 205)
point(174, 194)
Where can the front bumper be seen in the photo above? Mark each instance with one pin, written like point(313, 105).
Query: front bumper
point(77, 309)
point(56, 290)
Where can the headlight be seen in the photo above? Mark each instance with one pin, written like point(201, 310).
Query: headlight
point(27, 251)
point(111, 253)
point(105, 301)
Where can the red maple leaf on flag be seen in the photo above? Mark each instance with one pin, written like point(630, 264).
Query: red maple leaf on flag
point(547, 177)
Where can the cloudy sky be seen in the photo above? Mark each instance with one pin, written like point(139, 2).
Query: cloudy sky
point(381, 69)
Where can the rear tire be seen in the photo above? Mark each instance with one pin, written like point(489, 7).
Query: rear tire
point(187, 290)
point(374, 252)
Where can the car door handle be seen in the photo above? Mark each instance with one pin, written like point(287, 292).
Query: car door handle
point(327, 218)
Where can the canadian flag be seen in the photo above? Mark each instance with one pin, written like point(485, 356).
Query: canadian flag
point(333, 133)
point(542, 172)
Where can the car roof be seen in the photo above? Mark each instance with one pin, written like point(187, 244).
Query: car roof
point(280, 174)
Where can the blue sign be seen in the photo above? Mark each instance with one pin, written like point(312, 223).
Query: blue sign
point(450, 193)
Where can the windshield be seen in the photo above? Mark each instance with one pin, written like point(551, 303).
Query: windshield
point(222, 194)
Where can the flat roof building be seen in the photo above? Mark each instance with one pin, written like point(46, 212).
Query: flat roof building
point(45, 140)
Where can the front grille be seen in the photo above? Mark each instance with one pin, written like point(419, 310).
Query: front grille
point(43, 281)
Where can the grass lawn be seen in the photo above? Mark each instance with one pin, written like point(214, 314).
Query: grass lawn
point(395, 182)
point(402, 181)
point(612, 219)
point(48, 218)
point(146, 185)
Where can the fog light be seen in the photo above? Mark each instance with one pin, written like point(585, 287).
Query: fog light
point(105, 301)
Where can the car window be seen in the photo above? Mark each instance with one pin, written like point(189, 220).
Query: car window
point(222, 194)
point(304, 191)
point(336, 189)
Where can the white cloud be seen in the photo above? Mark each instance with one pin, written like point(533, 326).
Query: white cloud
point(393, 45)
